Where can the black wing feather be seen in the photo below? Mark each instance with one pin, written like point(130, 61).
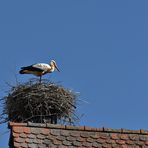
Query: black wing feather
point(31, 68)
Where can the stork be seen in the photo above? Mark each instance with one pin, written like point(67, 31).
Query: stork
point(40, 69)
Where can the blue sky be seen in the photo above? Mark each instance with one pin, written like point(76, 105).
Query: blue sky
point(100, 46)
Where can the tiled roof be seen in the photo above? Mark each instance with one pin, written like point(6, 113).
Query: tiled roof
point(32, 135)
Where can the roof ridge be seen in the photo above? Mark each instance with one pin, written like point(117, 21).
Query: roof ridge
point(78, 128)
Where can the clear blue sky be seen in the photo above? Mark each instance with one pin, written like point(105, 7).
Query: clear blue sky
point(101, 48)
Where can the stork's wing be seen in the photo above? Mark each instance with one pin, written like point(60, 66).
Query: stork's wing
point(32, 68)
point(42, 66)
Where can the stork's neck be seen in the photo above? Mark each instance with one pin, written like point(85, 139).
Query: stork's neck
point(52, 67)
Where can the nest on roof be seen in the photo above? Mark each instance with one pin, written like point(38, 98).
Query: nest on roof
point(44, 102)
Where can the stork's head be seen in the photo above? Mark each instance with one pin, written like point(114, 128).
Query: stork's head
point(53, 63)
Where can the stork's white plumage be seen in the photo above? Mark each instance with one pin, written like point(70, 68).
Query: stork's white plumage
point(39, 69)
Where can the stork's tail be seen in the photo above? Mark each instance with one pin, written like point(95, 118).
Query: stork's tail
point(22, 71)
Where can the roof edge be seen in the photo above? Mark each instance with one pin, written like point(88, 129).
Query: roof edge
point(77, 128)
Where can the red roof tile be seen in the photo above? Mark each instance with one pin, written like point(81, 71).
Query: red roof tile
point(32, 135)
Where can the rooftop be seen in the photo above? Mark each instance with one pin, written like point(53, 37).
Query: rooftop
point(36, 135)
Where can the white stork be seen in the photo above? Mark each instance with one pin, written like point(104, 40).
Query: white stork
point(39, 69)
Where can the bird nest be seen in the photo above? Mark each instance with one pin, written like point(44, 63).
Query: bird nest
point(44, 102)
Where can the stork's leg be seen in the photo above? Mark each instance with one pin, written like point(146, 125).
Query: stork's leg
point(40, 78)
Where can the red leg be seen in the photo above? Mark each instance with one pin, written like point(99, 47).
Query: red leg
point(40, 78)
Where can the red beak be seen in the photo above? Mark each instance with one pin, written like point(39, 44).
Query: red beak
point(57, 68)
